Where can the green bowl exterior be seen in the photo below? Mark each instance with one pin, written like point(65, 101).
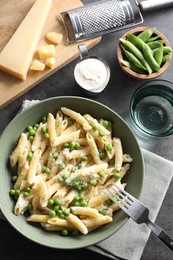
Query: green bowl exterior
point(31, 116)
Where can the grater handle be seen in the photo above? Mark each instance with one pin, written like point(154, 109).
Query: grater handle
point(149, 5)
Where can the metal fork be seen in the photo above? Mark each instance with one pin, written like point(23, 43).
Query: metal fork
point(137, 211)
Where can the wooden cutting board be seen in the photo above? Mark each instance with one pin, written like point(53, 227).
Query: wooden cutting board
point(12, 12)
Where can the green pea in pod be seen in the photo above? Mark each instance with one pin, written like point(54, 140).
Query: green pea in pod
point(145, 35)
point(166, 49)
point(133, 59)
point(132, 67)
point(159, 55)
point(150, 59)
point(136, 52)
point(154, 45)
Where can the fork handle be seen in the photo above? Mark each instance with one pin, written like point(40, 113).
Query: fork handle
point(161, 234)
point(166, 239)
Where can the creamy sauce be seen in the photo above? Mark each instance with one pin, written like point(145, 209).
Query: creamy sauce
point(92, 74)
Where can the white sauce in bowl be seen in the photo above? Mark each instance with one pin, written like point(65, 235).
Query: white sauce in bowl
point(92, 74)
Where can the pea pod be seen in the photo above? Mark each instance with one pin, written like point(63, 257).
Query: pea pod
point(133, 59)
point(145, 35)
point(159, 55)
point(136, 41)
point(166, 57)
point(166, 49)
point(152, 39)
point(132, 67)
point(136, 52)
point(154, 45)
point(149, 57)
point(161, 41)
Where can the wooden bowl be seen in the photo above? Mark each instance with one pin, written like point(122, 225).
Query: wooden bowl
point(134, 74)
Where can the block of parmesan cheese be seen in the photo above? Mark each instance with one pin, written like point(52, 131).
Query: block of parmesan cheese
point(17, 55)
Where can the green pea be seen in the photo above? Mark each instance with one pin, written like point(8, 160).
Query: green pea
point(94, 127)
point(93, 182)
point(29, 127)
point(26, 194)
point(149, 57)
point(30, 207)
point(77, 145)
point(62, 216)
point(64, 232)
point(55, 154)
point(61, 166)
point(50, 202)
point(29, 155)
point(159, 55)
point(84, 185)
point(84, 158)
point(70, 121)
point(102, 155)
point(76, 198)
point(146, 34)
point(66, 145)
point(57, 201)
point(102, 212)
point(112, 162)
point(116, 175)
point(44, 119)
point(59, 212)
point(72, 145)
point(65, 176)
point(101, 133)
point(105, 123)
point(12, 192)
point(83, 203)
point(102, 174)
point(76, 203)
point(36, 126)
point(17, 192)
point(109, 202)
point(67, 211)
point(79, 166)
point(32, 132)
point(46, 135)
point(81, 196)
point(109, 147)
point(75, 232)
point(45, 169)
point(14, 178)
point(31, 138)
point(56, 209)
point(44, 129)
point(52, 213)
point(27, 189)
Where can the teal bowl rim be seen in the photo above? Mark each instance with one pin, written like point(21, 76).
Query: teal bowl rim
point(79, 243)
point(140, 92)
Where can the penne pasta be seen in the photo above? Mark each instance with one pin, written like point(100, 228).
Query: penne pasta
point(63, 169)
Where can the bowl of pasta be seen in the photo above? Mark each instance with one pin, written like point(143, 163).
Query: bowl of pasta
point(59, 156)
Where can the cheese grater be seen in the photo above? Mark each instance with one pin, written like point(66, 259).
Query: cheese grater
point(105, 16)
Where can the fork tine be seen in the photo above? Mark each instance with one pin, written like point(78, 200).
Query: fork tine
point(121, 195)
point(111, 196)
point(125, 192)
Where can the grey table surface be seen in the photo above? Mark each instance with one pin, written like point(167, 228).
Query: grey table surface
point(117, 96)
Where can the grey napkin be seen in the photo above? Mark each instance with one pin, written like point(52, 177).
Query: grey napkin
point(129, 242)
